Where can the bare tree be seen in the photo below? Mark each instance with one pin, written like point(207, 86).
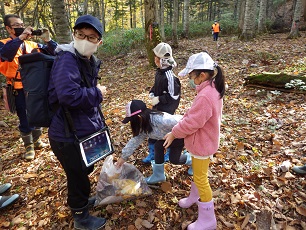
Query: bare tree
point(61, 25)
point(248, 31)
point(186, 19)
point(294, 33)
point(262, 16)
point(152, 37)
point(174, 24)
point(162, 20)
point(241, 13)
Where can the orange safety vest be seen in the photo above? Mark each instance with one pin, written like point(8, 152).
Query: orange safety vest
point(9, 69)
point(216, 28)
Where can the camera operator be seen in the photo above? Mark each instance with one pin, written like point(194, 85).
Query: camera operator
point(11, 48)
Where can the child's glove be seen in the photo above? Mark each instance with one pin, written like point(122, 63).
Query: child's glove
point(151, 95)
point(45, 35)
point(155, 101)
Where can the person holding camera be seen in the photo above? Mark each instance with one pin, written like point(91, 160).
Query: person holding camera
point(11, 48)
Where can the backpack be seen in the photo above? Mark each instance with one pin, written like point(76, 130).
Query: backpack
point(35, 71)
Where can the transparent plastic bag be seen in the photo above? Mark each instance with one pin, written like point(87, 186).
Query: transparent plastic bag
point(116, 185)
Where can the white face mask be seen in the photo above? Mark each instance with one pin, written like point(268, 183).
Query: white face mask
point(85, 48)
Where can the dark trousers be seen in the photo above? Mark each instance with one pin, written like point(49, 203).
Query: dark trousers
point(21, 112)
point(215, 36)
point(175, 156)
point(78, 182)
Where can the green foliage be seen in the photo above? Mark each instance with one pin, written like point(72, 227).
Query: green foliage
point(121, 41)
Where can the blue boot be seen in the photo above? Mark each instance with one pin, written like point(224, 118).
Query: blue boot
point(158, 174)
point(84, 221)
point(189, 163)
point(8, 200)
point(166, 159)
point(5, 187)
point(190, 171)
point(150, 157)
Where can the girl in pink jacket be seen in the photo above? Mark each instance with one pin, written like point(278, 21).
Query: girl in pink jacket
point(200, 128)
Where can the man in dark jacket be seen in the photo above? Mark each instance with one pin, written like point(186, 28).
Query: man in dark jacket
point(11, 48)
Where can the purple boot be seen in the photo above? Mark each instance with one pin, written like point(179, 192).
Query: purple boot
point(206, 217)
point(192, 198)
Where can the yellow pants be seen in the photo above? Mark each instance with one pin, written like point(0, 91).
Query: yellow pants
point(200, 177)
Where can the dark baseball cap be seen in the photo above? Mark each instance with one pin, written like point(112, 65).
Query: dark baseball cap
point(91, 20)
point(133, 108)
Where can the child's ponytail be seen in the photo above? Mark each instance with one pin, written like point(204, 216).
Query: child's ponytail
point(220, 81)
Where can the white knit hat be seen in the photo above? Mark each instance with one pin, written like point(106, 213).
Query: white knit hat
point(163, 50)
point(198, 61)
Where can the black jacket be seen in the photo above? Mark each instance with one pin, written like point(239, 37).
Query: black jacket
point(168, 88)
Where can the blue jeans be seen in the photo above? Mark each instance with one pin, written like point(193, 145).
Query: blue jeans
point(21, 112)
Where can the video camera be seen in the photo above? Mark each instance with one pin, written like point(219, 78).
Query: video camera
point(37, 32)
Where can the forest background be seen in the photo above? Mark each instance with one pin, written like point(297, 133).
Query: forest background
point(261, 127)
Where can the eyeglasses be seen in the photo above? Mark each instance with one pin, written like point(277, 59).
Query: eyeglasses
point(90, 38)
point(18, 25)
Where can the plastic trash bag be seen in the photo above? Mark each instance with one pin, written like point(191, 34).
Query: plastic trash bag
point(116, 185)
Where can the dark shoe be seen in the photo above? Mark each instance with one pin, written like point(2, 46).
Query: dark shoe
point(91, 201)
point(5, 187)
point(301, 170)
point(84, 221)
point(7, 200)
point(30, 153)
point(39, 145)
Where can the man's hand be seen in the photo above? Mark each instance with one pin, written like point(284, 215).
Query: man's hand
point(169, 137)
point(26, 33)
point(45, 35)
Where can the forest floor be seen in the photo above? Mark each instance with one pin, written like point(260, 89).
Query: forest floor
point(260, 130)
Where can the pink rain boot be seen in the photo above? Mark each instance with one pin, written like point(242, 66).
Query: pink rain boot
point(192, 198)
point(206, 217)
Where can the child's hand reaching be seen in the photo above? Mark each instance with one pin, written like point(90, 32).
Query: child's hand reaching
point(119, 163)
point(155, 101)
point(169, 137)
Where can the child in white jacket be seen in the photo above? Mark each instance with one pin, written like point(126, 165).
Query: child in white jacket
point(147, 123)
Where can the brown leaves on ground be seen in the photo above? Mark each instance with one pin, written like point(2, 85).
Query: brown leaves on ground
point(260, 130)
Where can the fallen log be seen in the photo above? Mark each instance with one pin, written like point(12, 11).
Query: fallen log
point(275, 81)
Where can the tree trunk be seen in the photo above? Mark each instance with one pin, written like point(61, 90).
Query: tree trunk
point(85, 7)
point(269, 9)
point(103, 7)
point(186, 19)
point(241, 13)
point(61, 25)
point(162, 20)
point(294, 33)
point(248, 31)
point(134, 14)
point(235, 14)
point(2, 11)
point(174, 24)
point(152, 37)
point(262, 16)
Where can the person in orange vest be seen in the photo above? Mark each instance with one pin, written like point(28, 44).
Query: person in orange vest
point(215, 28)
point(11, 48)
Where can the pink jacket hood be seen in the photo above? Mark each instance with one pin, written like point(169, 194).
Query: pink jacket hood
point(200, 126)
